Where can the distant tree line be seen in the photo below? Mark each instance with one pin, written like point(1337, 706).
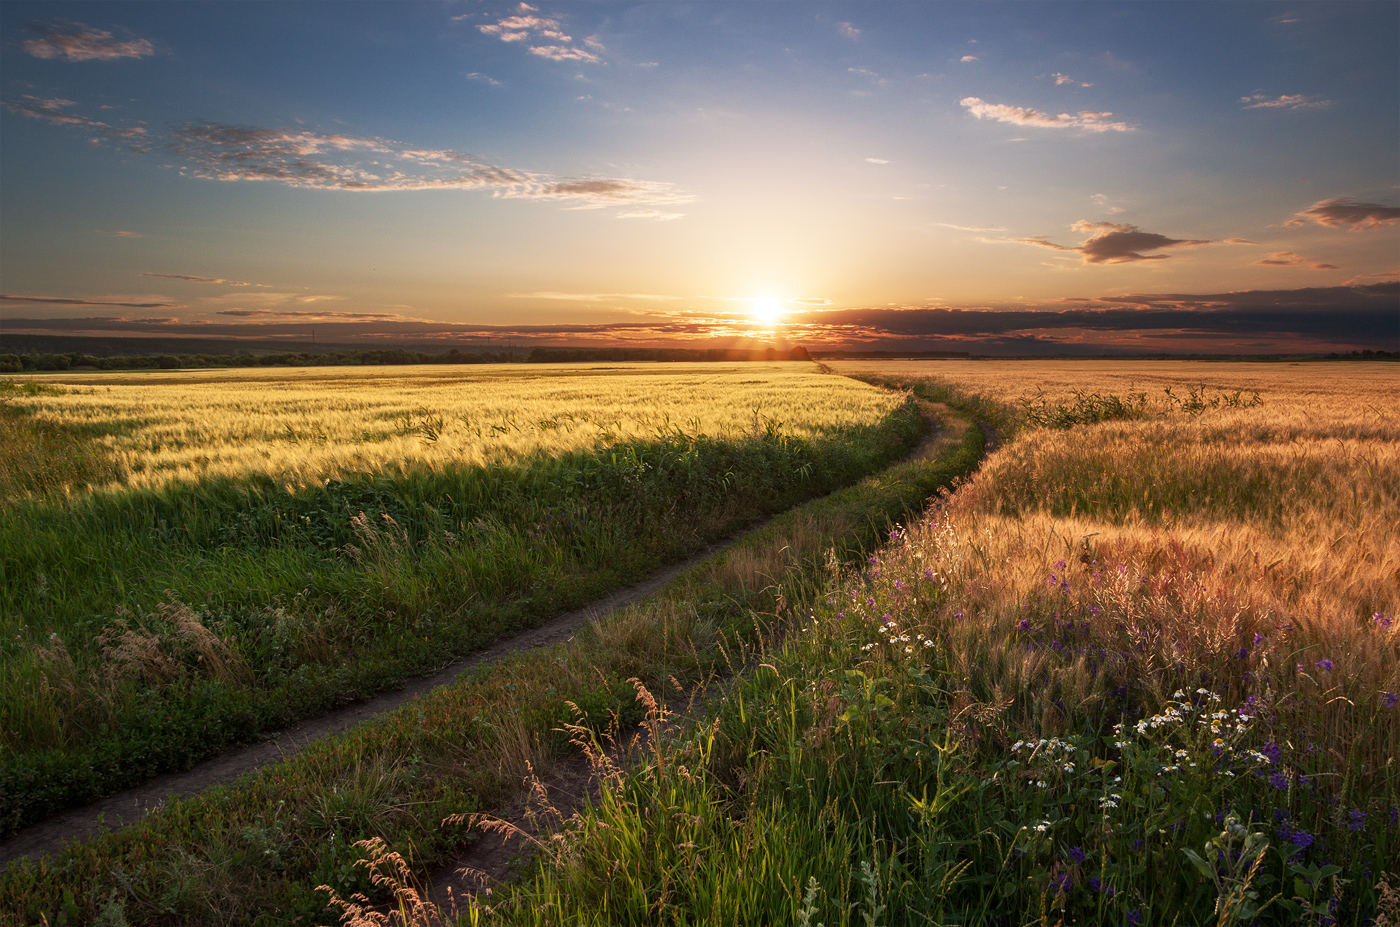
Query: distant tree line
point(18, 363)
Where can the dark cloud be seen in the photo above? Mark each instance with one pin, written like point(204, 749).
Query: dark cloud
point(303, 314)
point(64, 301)
point(194, 279)
point(1345, 210)
point(1292, 259)
point(1111, 243)
point(79, 42)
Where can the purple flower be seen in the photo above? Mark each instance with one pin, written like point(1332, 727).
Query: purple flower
point(1242, 653)
point(1279, 781)
point(958, 615)
point(1388, 699)
point(1059, 882)
point(840, 616)
point(1077, 854)
point(1272, 750)
point(1325, 665)
point(1134, 918)
point(1382, 621)
point(1025, 625)
point(1356, 820)
point(1258, 638)
point(928, 574)
point(1060, 564)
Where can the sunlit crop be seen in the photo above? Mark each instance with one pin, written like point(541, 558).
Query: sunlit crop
point(301, 425)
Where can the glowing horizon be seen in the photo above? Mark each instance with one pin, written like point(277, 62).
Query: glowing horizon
point(1004, 178)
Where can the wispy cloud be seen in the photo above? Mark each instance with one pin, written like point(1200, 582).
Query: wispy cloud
point(656, 214)
point(1101, 200)
point(878, 160)
point(1111, 243)
point(53, 111)
point(305, 315)
point(542, 35)
point(120, 233)
point(966, 58)
point(1345, 210)
point(972, 228)
point(477, 75)
point(590, 297)
point(124, 302)
point(1062, 80)
point(1024, 116)
point(79, 42)
point(847, 30)
point(193, 279)
point(1286, 101)
point(1291, 259)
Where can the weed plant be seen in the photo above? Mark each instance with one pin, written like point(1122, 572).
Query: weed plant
point(256, 851)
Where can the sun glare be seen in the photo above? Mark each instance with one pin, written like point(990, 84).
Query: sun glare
point(767, 312)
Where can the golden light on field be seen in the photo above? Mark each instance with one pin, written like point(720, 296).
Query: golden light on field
point(304, 424)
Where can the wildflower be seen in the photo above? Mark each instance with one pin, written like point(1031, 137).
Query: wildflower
point(1388, 699)
point(1273, 751)
point(1356, 820)
point(1324, 664)
point(1077, 854)
point(1258, 638)
point(1382, 621)
point(1040, 828)
point(1279, 781)
point(1024, 625)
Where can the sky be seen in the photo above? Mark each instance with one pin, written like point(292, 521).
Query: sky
point(1001, 178)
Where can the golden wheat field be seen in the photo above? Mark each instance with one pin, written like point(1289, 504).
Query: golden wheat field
point(1284, 512)
point(301, 425)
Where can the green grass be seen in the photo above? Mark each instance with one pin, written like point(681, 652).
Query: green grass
point(145, 630)
point(254, 852)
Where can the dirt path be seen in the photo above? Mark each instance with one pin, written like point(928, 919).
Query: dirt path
point(131, 805)
point(555, 797)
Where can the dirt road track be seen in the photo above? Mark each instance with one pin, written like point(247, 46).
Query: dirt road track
point(131, 805)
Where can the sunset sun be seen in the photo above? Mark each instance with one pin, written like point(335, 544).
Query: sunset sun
point(768, 312)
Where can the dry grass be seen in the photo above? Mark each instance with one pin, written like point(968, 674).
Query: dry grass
point(305, 425)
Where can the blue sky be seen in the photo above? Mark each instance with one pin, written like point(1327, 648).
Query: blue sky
point(1003, 177)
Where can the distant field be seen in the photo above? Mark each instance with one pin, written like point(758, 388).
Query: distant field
point(309, 424)
point(262, 546)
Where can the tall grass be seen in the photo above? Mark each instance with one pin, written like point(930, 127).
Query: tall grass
point(145, 629)
point(255, 852)
point(1052, 701)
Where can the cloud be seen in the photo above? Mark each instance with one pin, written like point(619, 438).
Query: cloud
point(126, 303)
point(1101, 200)
point(1240, 241)
point(1287, 101)
point(305, 315)
point(52, 110)
point(194, 279)
point(477, 75)
point(120, 233)
point(966, 58)
point(1063, 79)
point(810, 301)
point(590, 297)
point(972, 228)
point(650, 214)
point(847, 30)
point(1111, 243)
point(525, 26)
point(1291, 259)
point(877, 160)
point(1022, 116)
point(1345, 210)
point(310, 160)
point(79, 42)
